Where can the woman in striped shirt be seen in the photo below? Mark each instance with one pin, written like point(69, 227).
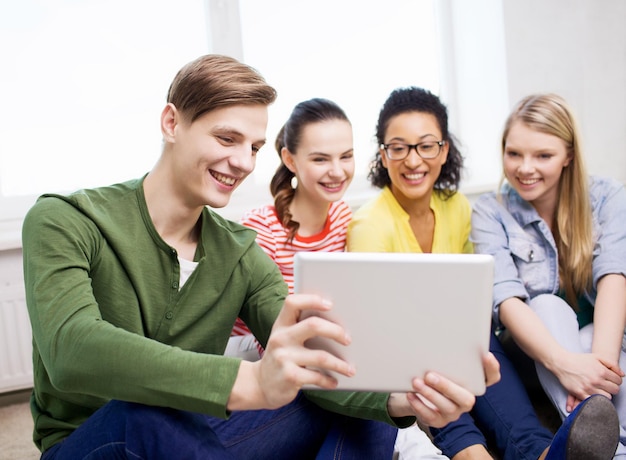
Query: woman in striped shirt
point(308, 214)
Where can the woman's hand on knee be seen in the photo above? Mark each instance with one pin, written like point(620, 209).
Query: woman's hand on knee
point(584, 374)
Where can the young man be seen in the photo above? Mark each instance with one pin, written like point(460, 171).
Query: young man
point(133, 290)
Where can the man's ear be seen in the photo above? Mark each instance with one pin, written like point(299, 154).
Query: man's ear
point(169, 121)
point(287, 158)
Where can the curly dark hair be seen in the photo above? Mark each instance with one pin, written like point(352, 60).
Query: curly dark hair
point(413, 99)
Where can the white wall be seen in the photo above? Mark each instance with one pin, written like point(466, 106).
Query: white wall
point(576, 48)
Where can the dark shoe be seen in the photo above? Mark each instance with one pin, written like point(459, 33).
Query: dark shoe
point(590, 432)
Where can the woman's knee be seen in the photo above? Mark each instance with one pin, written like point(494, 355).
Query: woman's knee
point(552, 309)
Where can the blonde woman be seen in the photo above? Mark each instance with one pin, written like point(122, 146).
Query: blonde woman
point(559, 240)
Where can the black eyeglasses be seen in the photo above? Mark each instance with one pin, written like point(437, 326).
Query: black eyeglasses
point(399, 151)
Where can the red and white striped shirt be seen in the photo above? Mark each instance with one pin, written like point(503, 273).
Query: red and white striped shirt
point(272, 237)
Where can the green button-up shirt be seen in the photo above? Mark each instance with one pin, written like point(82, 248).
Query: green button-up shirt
point(110, 322)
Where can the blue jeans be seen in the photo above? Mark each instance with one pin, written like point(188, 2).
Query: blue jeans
point(560, 319)
point(504, 414)
point(299, 430)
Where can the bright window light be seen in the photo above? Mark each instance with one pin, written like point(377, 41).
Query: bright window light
point(352, 52)
point(85, 82)
point(83, 87)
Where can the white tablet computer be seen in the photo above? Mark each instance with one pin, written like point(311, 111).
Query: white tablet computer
point(406, 313)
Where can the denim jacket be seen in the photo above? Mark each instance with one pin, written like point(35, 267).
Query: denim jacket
point(526, 258)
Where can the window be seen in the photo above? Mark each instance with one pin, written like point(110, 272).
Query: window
point(352, 52)
point(84, 82)
point(83, 87)
point(356, 53)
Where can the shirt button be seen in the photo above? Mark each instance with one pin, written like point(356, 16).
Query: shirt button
point(169, 315)
point(175, 285)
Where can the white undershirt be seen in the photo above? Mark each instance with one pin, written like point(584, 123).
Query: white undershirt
point(186, 269)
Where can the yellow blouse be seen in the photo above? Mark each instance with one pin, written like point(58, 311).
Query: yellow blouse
point(381, 225)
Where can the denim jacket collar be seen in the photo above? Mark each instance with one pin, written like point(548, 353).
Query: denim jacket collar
point(523, 212)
